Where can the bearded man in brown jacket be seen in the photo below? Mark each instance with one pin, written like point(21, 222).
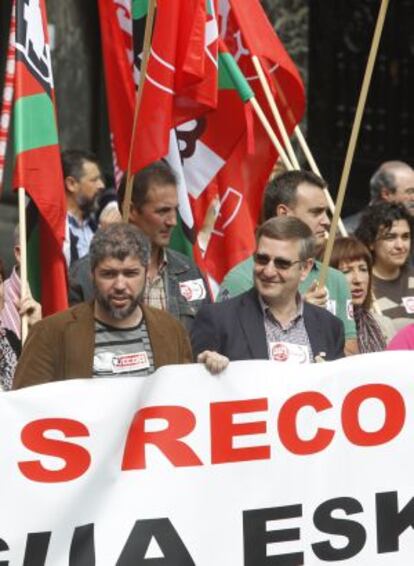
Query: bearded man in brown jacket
point(115, 335)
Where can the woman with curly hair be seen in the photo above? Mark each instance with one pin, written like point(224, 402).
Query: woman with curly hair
point(386, 230)
point(350, 256)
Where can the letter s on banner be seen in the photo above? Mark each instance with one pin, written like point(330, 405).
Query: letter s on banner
point(77, 458)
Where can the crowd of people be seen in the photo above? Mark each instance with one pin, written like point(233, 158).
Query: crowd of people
point(137, 305)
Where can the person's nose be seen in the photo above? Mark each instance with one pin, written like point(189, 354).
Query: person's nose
point(399, 243)
point(356, 278)
point(269, 270)
point(171, 218)
point(120, 282)
point(325, 222)
point(99, 185)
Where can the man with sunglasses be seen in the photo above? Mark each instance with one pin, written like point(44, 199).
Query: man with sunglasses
point(271, 320)
point(300, 194)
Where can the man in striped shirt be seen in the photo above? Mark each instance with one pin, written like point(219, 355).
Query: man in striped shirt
point(115, 335)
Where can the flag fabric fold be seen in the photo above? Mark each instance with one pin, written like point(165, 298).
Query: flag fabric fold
point(181, 79)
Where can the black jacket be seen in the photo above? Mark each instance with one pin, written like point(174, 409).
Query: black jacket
point(235, 328)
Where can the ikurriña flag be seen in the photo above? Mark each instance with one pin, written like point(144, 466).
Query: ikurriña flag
point(38, 167)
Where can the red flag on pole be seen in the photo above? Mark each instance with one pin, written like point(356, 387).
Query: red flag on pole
point(240, 183)
point(181, 79)
point(117, 51)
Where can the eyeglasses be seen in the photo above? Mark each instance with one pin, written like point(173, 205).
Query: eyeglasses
point(278, 262)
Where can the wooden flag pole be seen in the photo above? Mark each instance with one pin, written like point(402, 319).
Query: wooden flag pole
point(145, 56)
point(275, 111)
point(273, 138)
point(309, 157)
point(353, 139)
point(23, 257)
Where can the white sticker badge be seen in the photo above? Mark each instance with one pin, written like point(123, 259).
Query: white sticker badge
point(130, 362)
point(193, 290)
point(288, 352)
point(408, 303)
point(349, 310)
point(331, 306)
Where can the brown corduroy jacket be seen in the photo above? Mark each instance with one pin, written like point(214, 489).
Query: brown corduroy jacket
point(61, 346)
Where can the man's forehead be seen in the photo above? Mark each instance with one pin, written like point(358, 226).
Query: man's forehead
point(404, 178)
point(308, 194)
point(276, 246)
point(89, 168)
point(116, 263)
point(157, 191)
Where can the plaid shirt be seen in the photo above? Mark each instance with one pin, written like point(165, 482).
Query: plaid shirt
point(154, 291)
point(294, 332)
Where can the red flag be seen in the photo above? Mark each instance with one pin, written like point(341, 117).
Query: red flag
point(241, 181)
point(181, 78)
point(248, 32)
point(38, 167)
point(117, 50)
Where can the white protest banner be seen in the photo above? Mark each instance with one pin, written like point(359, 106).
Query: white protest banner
point(267, 464)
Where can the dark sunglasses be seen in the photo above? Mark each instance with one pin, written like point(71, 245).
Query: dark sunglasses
point(278, 262)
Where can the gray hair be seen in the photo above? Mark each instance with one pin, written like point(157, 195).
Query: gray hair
point(289, 228)
point(119, 241)
point(385, 177)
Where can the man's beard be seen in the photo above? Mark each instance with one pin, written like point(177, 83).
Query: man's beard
point(87, 206)
point(117, 313)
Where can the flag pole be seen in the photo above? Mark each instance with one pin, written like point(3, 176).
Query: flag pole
point(23, 257)
point(309, 157)
point(353, 139)
point(275, 111)
point(145, 56)
point(273, 138)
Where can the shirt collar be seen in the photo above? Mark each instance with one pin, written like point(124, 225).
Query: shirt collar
point(73, 221)
point(299, 303)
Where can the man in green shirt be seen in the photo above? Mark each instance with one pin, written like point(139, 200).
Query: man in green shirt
point(301, 194)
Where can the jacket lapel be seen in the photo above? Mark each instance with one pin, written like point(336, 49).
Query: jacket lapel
point(312, 328)
point(79, 344)
point(160, 343)
point(252, 323)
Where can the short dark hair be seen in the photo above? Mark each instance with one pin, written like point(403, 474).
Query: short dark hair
point(2, 271)
point(157, 173)
point(73, 161)
point(289, 228)
point(119, 241)
point(381, 216)
point(351, 249)
point(282, 189)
